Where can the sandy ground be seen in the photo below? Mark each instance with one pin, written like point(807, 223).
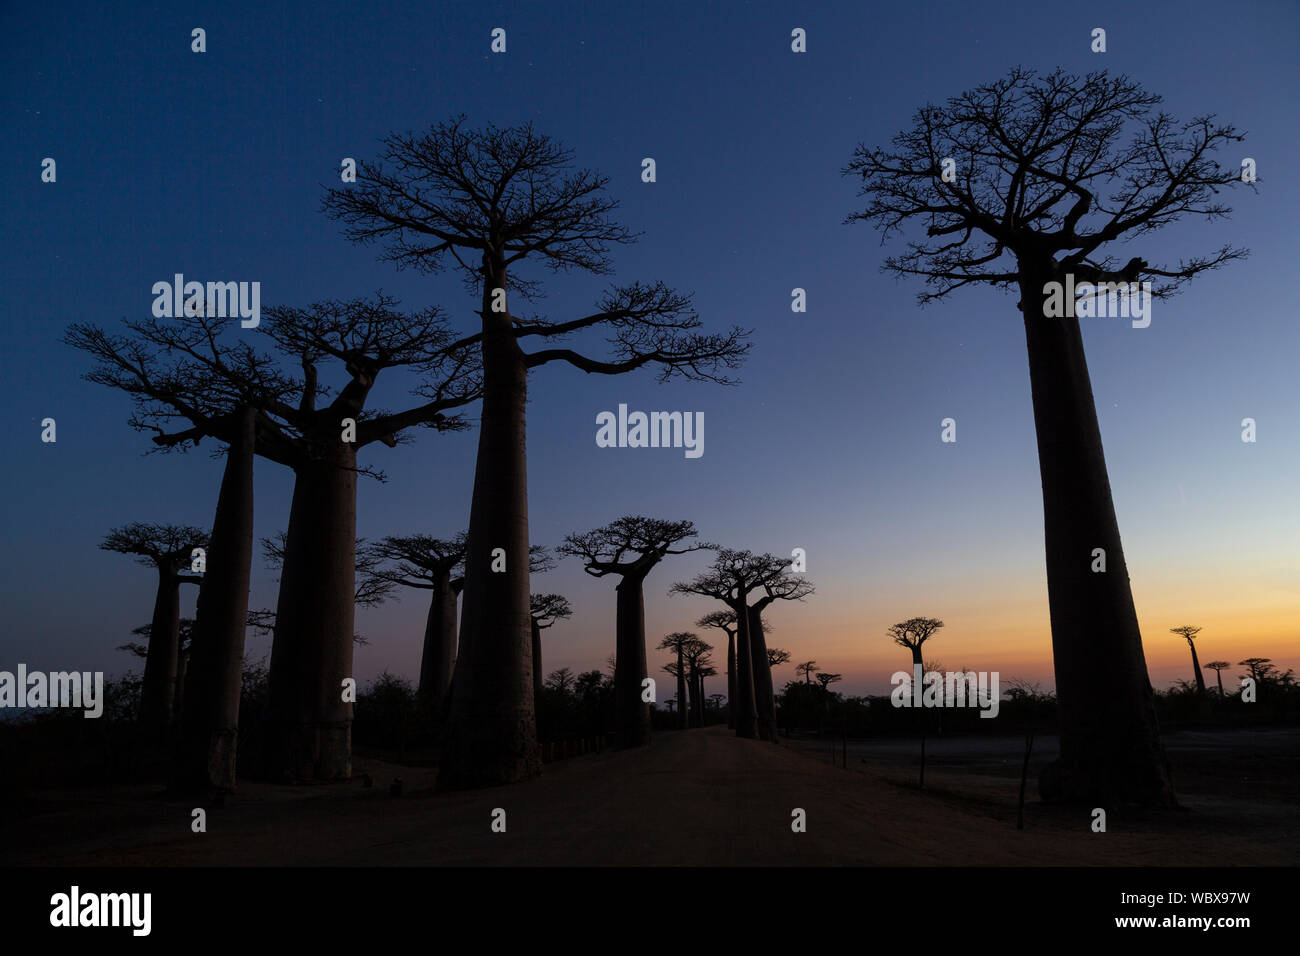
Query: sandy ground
point(701, 797)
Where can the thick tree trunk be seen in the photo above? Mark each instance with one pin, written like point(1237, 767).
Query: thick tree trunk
point(158, 690)
point(492, 735)
point(699, 698)
point(683, 715)
point(764, 697)
point(312, 650)
point(537, 667)
point(731, 680)
point(1219, 674)
point(629, 664)
point(289, 753)
point(746, 709)
point(206, 759)
point(1110, 740)
point(1196, 666)
point(182, 668)
point(439, 656)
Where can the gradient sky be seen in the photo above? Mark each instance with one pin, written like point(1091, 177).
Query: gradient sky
point(213, 165)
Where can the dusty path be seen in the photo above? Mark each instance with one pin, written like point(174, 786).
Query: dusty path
point(700, 797)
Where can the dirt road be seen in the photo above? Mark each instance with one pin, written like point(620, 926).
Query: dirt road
point(700, 797)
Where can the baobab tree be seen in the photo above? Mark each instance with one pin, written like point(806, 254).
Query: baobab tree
point(168, 549)
point(776, 657)
point(1027, 184)
point(488, 200)
point(826, 679)
point(912, 634)
point(783, 586)
point(434, 565)
point(731, 579)
point(726, 621)
point(1188, 632)
point(544, 610)
point(807, 669)
point(560, 681)
point(699, 663)
point(206, 760)
point(184, 632)
point(186, 369)
point(1219, 667)
point(630, 547)
point(677, 642)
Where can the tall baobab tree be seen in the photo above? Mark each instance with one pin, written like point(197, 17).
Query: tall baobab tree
point(731, 579)
point(431, 564)
point(726, 621)
point(488, 200)
point(912, 634)
point(699, 664)
point(807, 669)
point(630, 547)
point(207, 757)
point(167, 548)
point(1027, 184)
point(784, 586)
point(186, 370)
point(1219, 667)
point(185, 631)
point(544, 610)
point(1188, 632)
point(677, 642)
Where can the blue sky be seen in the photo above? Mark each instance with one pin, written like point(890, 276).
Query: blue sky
point(212, 165)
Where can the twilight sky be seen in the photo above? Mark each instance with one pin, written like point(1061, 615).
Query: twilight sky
point(213, 164)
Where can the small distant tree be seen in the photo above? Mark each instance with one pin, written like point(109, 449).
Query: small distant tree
point(630, 547)
point(1219, 667)
point(560, 681)
point(725, 621)
point(1188, 632)
point(545, 610)
point(167, 549)
point(677, 642)
point(776, 657)
point(826, 679)
point(913, 633)
point(807, 669)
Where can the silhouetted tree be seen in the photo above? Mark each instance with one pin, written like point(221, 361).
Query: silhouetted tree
point(807, 669)
point(826, 679)
point(1048, 173)
point(1219, 667)
point(1188, 633)
point(167, 549)
point(726, 621)
point(699, 666)
point(913, 633)
point(544, 611)
point(776, 656)
point(488, 200)
point(731, 579)
point(435, 565)
point(784, 586)
point(560, 681)
point(677, 643)
point(186, 370)
point(630, 547)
